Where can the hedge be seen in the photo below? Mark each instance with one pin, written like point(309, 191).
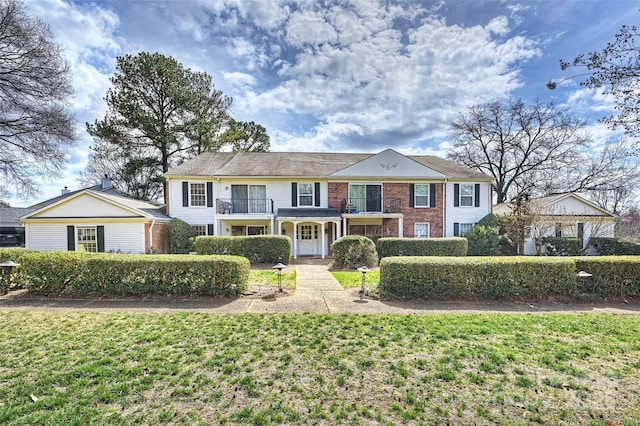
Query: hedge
point(614, 246)
point(452, 246)
point(352, 251)
point(613, 277)
point(256, 248)
point(562, 246)
point(80, 274)
point(498, 277)
point(18, 279)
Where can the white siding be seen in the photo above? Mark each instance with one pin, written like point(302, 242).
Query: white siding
point(466, 214)
point(85, 206)
point(122, 237)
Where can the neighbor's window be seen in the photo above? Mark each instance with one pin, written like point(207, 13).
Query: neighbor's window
point(305, 194)
point(198, 195)
point(87, 239)
point(421, 230)
point(465, 227)
point(200, 229)
point(422, 195)
point(466, 195)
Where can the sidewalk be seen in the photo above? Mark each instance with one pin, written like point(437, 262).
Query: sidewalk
point(317, 292)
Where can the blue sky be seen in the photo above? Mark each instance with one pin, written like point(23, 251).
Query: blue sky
point(341, 75)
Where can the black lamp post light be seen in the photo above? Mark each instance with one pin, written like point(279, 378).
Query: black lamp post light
point(279, 267)
point(364, 271)
point(5, 275)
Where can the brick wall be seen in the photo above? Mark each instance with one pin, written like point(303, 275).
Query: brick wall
point(160, 241)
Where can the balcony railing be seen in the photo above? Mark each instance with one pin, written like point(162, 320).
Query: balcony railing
point(371, 205)
point(244, 205)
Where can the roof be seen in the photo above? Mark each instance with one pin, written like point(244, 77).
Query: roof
point(10, 216)
point(299, 164)
point(547, 201)
point(306, 213)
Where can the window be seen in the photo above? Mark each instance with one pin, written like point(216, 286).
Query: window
point(421, 230)
point(365, 198)
point(198, 195)
point(466, 195)
point(422, 195)
point(558, 230)
point(371, 231)
point(238, 231)
point(465, 227)
point(305, 194)
point(306, 232)
point(200, 229)
point(255, 230)
point(87, 239)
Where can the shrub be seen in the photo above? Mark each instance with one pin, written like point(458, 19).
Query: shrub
point(614, 246)
point(256, 248)
point(562, 246)
point(74, 274)
point(612, 277)
point(483, 241)
point(454, 246)
point(490, 220)
point(478, 277)
point(352, 251)
point(181, 236)
point(17, 278)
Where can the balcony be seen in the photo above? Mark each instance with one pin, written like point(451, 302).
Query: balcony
point(371, 205)
point(244, 206)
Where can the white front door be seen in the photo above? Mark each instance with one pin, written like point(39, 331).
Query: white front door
point(308, 242)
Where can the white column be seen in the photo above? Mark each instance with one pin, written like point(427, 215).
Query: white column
point(323, 238)
point(273, 226)
point(279, 228)
point(295, 240)
point(337, 231)
point(344, 226)
point(400, 227)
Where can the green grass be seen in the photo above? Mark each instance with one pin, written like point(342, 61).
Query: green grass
point(354, 278)
point(194, 368)
point(270, 277)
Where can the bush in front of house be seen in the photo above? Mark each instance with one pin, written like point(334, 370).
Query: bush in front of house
point(562, 246)
point(100, 274)
point(483, 241)
point(16, 277)
point(256, 248)
point(451, 246)
point(614, 246)
point(612, 277)
point(353, 251)
point(455, 278)
point(181, 236)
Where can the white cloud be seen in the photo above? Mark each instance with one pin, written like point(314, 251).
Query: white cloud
point(239, 78)
point(499, 25)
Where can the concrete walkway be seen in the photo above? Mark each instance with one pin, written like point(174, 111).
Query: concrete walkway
point(317, 292)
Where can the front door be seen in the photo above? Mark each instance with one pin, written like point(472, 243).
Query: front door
point(308, 242)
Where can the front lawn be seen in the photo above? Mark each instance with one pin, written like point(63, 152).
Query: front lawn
point(193, 368)
point(354, 278)
point(270, 277)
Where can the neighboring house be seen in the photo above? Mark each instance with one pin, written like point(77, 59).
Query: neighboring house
point(96, 219)
point(11, 230)
point(564, 215)
point(315, 198)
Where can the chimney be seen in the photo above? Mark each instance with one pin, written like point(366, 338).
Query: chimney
point(106, 182)
point(65, 191)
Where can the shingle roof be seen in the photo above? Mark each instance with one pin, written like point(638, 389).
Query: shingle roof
point(315, 212)
point(10, 216)
point(298, 164)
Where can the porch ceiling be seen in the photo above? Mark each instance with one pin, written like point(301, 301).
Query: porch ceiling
point(311, 213)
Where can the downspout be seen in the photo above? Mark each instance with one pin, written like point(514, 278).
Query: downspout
point(153, 222)
point(444, 209)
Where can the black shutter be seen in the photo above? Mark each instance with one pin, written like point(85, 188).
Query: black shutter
point(477, 197)
point(209, 194)
point(185, 194)
point(71, 238)
point(210, 229)
point(456, 195)
point(456, 229)
point(412, 195)
point(432, 195)
point(316, 194)
point(100, 235)
point(294, 194)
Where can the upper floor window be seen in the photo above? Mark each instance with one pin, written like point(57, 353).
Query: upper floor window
point(305, 194)
point(422, 195)
point(198, 194)
point(466, 195)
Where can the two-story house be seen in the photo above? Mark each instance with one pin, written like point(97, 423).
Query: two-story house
point(315, 198)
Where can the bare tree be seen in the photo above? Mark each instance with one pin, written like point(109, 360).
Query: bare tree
point(36, 129)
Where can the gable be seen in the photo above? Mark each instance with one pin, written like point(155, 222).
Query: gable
point(573, 206)
point(388, 163)
point(85, 205)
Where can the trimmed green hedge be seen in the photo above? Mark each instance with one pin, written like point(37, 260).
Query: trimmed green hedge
point(615, 246)
point(81, 274)
point(562, 246)
point(613, 277)
point(451, 246)
point(353, 251)
point(499, 277)
point(256, 248)
point(18, 279)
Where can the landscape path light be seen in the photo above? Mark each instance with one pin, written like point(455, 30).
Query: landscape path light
point(583, 275)
point(364, 271)
point(279, 267)
point(5, 275)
